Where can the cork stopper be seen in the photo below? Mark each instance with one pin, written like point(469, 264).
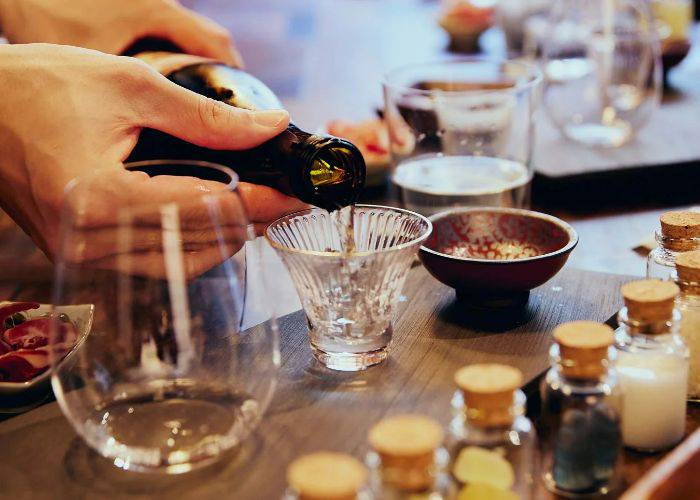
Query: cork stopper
point(583, 348)
point(688, 269)
point(406, 445)
point(685, 224)
point(488, 392)
point(650, 301)
point(327, 476)
point(688, 266)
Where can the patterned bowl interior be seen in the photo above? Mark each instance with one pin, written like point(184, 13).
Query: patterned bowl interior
point(492, 235)
point(375, 229)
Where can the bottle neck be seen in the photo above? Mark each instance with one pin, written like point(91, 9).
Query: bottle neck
point(495, 417)
point(675, 245)
point(408, 474)
point(589, 368)
point(690, 290)
point(326, 171)
point(647, 333)
point(329, 171)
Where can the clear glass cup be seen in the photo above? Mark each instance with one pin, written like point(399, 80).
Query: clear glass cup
point(602, 69)
point(349, 296)
point(461, 132)
point(180, 362)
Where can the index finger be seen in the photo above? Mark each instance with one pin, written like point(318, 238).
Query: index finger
point(265, 204)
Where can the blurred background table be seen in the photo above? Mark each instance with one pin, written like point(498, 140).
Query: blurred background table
point(325, 59)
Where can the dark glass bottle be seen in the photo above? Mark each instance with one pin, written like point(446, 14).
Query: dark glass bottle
point(321, 170)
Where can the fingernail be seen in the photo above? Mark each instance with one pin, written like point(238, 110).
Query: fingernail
point(270, 118)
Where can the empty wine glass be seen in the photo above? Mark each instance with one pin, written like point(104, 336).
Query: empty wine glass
point(180, 362)
point(602, 70)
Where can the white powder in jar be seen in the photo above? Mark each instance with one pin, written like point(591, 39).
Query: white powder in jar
point(654, 399)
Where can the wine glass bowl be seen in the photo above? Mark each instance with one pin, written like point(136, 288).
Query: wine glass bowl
point(349, 296)
point(179, 366)
point(602, 70)
point(495, 256)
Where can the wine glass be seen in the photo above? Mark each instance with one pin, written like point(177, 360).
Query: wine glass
point(602, 70)
point(180, 362)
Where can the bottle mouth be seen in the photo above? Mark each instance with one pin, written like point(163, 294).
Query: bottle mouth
point(337, 173)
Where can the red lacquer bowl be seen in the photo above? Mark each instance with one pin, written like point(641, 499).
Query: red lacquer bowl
point(495, 256)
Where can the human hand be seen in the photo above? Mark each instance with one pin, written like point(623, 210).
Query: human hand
point(88, 123)
point(111, 26)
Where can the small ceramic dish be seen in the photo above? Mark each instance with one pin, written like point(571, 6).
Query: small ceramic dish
point(15, 394)
point(493, 257)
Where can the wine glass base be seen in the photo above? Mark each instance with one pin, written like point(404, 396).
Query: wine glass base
point(598, 135)
point(350, 361)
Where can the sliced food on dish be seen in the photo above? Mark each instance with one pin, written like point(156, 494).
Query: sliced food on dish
point(24, 339)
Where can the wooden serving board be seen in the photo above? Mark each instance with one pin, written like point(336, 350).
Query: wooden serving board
point(660, 165)
point(315, 408)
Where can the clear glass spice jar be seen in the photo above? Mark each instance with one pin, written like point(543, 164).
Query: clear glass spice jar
point(407, 460)
point(679, 232)
point(652, 364)
point(688, 303)
point(492, 444)
point(580, 421)
point(327, 476)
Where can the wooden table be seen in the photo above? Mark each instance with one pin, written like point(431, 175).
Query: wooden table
point(315, 408)
point(324, 60)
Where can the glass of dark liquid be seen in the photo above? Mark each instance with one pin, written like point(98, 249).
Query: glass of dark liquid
point(462, 132)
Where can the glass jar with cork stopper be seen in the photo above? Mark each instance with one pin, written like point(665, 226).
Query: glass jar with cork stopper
point(680, 232)
point(580, 421)
point(407, 459)
point(492, 443)
point(688, 280)
point(652, 363)
point(327, 476)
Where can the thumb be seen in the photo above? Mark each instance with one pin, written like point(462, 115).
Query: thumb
point(204, 121)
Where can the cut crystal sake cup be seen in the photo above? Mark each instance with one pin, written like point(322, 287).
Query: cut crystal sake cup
point(349, 296)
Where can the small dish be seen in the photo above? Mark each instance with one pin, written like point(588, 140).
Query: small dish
point(493, 257)
point(16, 395)
point(464, 22)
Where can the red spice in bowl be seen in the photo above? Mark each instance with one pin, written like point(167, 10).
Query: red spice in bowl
point(496, 255)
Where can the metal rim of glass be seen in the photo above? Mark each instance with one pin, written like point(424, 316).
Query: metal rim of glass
point(415, 241)
point(531, 76)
